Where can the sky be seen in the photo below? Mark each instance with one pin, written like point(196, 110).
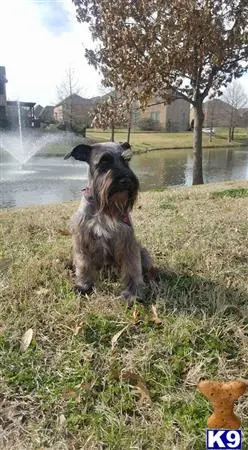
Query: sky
point(39, 41)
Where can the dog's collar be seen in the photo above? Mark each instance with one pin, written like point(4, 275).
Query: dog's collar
point(86, 192)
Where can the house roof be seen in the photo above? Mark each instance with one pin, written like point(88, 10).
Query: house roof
point(46, 112)
point(38, 110)
point(14, 103)
point(75, 99)
point(243, 110)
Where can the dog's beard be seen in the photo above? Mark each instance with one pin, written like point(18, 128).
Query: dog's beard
point(111, 201)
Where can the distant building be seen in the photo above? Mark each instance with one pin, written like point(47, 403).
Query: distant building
point(244, 116)
point(171, 117)
point(9, 109)
point(73, 111)
point(37, 111)
point(3, 98)
point(47, 115)
point(218, 113)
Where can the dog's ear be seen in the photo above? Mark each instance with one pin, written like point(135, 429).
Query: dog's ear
point(80, 152)
point(125, 145)
point(127, 151)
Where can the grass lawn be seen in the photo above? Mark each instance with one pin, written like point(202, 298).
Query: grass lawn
point(149, 140)
point(74, 386)
point(143, 141)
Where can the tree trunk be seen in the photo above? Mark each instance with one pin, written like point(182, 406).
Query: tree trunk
point(197, 145)
point(129, 127)
point(112, 132)
point(211, 135)
point(232, 134)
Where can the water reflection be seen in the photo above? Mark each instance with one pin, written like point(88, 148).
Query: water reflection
point(48, 180)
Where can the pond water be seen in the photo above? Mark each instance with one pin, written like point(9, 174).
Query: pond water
point(52, 179)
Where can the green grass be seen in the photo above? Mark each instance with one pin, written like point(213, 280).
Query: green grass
point(233, 193)
point(65, 390)
point(145, 141)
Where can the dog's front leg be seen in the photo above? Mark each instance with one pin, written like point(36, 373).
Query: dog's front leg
point(83, 269)
point(131, 272)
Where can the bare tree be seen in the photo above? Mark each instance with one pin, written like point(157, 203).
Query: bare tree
point(193, 48)
point(236, 98)
point(66, 89)
point(211, 115)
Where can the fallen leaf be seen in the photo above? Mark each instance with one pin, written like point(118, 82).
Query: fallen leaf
point(64, 232)
point(2, 329)
point(140, 387)
point(62, 420)
point(154, 318)
point(117, 335)
point(136, 315)
point(142, 391)
point(43, 291)
point(26, 339)
point(70, 393)
point(78, 328)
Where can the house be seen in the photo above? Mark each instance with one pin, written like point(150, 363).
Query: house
point(11, 111)
point(3, 99)
point(47, 115)
point(217, 113)
point(16, 110)
point(244, 117)
point(37, 111)
point(73, 111)
point(172, 117)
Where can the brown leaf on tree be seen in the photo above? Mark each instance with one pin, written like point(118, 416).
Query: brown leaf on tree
point(154, 317)
point(168, 50)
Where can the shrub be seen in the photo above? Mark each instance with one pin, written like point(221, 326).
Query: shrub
point(149, 124)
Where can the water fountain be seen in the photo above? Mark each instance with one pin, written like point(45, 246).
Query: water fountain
point(22, 144)
point(20, 127)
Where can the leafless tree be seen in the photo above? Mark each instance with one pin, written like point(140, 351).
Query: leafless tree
point(68, 87)
point(236, 98)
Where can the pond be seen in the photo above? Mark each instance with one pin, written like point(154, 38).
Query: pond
point(52, 179)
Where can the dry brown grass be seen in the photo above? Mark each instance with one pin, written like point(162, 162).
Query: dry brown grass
point(65, 390)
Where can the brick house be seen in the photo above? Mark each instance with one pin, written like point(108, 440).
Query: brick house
point(73, 111)
point(171, 117)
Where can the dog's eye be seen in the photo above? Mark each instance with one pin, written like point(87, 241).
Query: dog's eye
point(106, 160)
point(125, 162)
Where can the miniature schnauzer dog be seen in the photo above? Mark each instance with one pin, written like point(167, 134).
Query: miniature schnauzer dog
point(102, 231)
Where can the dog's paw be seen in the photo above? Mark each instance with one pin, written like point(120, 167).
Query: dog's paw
point(83, 288)
point(128, 298)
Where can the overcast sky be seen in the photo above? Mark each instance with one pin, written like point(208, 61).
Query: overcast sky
point(39, 40)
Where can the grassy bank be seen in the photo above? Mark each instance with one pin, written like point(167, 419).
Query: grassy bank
point(146, 141)
point(74, 386)
point(143, 141)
